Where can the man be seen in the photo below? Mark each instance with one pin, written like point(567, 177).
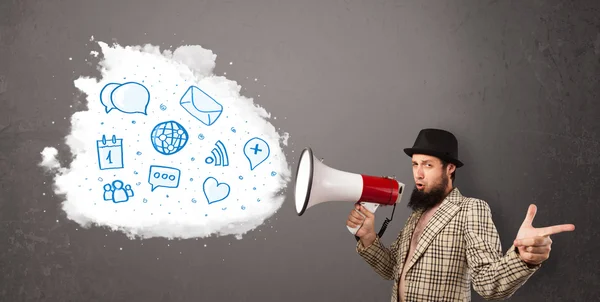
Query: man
point(450, 241)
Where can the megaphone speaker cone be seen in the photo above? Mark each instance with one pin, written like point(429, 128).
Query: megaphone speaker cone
point(304, 180)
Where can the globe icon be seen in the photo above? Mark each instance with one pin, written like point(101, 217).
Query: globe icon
point(169, 137)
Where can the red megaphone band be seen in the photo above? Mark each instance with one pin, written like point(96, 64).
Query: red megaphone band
point(379, 189)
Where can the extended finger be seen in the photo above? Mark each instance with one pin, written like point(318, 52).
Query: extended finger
point(532, 241)
point(555, 229)
point(530, 215)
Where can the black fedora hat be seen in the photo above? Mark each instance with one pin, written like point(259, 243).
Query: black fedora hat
point(436, 142)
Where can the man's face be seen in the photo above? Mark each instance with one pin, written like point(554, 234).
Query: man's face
point(431, 182)
point(428, 172)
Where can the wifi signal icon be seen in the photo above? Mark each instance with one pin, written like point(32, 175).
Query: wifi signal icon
point(219, 155)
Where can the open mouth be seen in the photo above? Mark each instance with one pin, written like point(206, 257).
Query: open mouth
point(420, 186)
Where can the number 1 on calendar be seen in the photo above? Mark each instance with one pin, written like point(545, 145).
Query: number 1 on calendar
point(108, 157)
point(110, 153)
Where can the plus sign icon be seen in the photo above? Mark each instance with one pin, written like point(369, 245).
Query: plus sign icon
point(256, 151)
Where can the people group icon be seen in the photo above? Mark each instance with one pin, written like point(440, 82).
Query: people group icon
point(116, 193)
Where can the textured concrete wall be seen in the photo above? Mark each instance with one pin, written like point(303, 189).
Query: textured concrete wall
point(516, 81)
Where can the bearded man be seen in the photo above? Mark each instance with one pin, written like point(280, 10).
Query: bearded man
point(449, 241)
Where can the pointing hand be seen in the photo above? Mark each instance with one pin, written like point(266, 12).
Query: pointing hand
point(534, 244)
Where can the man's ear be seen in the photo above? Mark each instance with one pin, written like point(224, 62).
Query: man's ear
point(451, 168)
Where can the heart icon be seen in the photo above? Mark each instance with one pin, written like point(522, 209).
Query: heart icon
point(215, 191)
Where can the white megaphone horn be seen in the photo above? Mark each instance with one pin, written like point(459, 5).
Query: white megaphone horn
point(317, 183)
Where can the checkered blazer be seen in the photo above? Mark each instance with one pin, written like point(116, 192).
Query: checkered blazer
point(460, 246)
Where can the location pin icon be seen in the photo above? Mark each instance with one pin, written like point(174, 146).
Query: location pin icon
point(256, 151)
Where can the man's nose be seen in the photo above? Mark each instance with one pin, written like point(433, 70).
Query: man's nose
point(420, 173)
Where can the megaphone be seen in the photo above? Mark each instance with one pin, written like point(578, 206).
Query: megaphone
point(317, 183)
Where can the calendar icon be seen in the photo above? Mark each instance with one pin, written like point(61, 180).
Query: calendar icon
point(110, 153)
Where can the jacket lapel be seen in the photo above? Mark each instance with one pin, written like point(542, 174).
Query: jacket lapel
point(438, 221)
point(409, 228)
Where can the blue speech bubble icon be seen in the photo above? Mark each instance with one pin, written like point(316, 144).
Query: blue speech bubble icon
point(256, 151)
point(162, 176)
point(130, 97)
point(105, 96)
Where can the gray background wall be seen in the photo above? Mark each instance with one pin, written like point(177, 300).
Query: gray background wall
point(516, 81)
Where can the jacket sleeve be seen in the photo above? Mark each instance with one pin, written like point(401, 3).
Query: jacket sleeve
point(495, 276)
point(380, 258)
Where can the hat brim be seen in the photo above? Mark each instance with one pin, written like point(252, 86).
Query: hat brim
point(411, 151)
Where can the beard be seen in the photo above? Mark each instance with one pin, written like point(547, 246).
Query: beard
point(421, 200)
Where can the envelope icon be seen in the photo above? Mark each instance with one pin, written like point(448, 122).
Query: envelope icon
point(201, 105)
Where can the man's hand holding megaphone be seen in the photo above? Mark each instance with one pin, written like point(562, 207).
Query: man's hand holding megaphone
point(366, 232)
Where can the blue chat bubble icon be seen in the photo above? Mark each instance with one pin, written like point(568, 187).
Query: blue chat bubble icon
point(162, 176)
point(105, 96)
point(130, 97)
point(256, 151)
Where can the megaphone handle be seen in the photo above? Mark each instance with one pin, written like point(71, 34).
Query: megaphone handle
point(371, 206)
